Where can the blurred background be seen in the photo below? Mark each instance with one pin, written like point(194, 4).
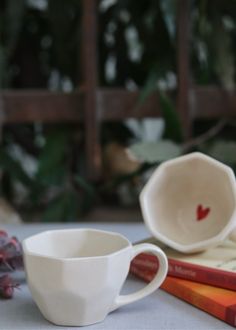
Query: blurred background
point(96, 93)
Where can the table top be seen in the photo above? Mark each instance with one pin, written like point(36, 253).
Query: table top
point(157, 311)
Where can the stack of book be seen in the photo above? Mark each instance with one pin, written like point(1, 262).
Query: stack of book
point(206, 280)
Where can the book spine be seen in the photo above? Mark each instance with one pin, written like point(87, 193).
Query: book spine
point(189, 271)
point(181, 289)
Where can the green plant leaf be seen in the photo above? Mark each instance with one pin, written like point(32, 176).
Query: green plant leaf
point(63, 18)
point(87, 196)
point(55, 177)
point(3, 67)
point(14, 169)
point(173, 129)
point(63, 208)
point(155, 152)
point(15, 10)
point(88, 188)
point(224, 151)
point(50, 167)
point(169, 9)
point(149, 87)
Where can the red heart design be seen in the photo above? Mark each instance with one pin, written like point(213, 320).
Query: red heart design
point(202, 212)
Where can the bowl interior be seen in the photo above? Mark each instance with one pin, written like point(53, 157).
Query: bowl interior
point(190, 202)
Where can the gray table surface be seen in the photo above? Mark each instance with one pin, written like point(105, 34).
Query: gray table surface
point(157, 311)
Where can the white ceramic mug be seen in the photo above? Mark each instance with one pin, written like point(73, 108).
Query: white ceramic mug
point(189, 203)
point(75, 275)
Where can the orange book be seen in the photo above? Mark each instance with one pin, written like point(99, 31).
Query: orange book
point(218, 302)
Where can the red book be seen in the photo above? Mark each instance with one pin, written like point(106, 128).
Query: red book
point(218, 302)
point(216, 266)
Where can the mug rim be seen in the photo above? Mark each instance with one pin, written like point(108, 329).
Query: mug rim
point(26, 250)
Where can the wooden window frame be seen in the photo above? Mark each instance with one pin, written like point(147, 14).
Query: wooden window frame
point(92, 104)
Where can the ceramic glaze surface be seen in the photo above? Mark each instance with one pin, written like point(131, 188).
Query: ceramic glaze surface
point(75, 275)
point(189, 202)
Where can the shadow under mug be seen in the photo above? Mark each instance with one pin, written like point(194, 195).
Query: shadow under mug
point(75, 275)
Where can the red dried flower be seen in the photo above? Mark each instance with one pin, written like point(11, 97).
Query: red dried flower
point(10, 260)
point(7, 286)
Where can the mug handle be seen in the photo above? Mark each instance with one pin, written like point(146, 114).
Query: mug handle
point(154, 284)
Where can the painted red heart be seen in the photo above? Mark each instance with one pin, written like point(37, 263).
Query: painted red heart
point(202, 212)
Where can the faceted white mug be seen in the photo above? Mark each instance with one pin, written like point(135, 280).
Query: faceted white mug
point(189, 203)
point(75, 275)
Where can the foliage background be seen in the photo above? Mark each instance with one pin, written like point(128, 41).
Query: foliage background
point(43, 166)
